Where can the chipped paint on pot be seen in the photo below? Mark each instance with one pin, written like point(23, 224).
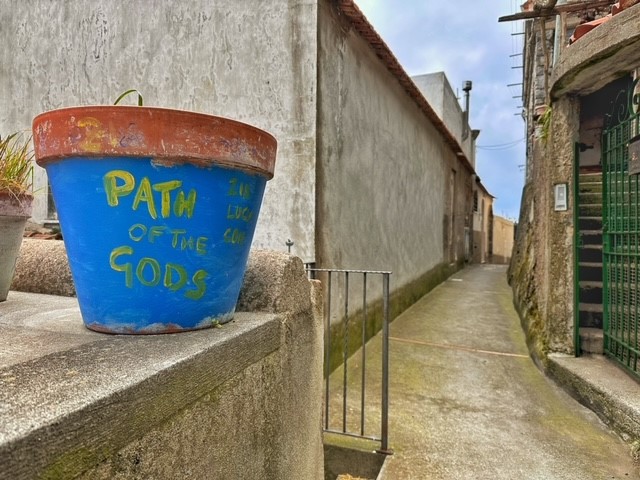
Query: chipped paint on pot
point(157, 208)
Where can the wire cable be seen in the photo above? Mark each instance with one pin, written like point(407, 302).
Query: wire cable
point(501, 146)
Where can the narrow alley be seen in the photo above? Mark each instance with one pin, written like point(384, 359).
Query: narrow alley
point(467, 401)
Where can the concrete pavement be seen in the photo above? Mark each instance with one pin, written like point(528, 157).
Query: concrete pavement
point(467, 402)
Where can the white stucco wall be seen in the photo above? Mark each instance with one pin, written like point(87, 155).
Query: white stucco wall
point(432, 87)
point(382, 165)
point(251, 61)
point(438, 91)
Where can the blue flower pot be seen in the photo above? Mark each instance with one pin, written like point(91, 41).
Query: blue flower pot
point(157, 209)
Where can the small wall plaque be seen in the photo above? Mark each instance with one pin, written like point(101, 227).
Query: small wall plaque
point(560, 197)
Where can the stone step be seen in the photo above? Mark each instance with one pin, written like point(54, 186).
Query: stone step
point(590, 187)
point(590, 317)
point(590, 292)
point(590, 254)
point(591, 237)
point(590, 197)
point(591, 307)
point(590, 210)
point(590, 176)
point(592, 340)
point(586, 223)
point(590, 271)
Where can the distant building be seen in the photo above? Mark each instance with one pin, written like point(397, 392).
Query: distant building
point(503, 239)
point(482, 223)
point(437, 90)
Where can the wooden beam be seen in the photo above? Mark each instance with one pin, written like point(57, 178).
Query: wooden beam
point(523, 16)
point(578, 6)
point(564, 8)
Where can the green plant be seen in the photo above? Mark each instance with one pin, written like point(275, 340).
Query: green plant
point(16, 164)
point(128, 92)
point(545, 121)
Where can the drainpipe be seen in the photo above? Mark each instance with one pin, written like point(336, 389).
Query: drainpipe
point(465, 118)
point(474, 136)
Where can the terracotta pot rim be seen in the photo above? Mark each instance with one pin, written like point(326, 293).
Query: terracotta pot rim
point(167, 136)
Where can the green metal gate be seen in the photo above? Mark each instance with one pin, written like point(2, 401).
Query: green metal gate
point(621, 234)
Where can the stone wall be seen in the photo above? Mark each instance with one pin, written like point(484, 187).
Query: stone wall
point(542, 268)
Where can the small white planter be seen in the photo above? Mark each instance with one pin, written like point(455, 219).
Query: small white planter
point(14, 212)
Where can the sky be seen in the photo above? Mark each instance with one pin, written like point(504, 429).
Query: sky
point(464, 39)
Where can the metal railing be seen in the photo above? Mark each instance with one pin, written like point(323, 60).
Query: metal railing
point(621, 233)
point(347, 315)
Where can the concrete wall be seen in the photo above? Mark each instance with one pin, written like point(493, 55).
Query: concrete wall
point(383, 168)
point(240, 401)
point(503, 238)
point(482, 227)
point(438, 91)
point(252, 62)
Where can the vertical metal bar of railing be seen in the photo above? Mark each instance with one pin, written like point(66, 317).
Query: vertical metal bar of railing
point(364, 350)
point(327, 353)
point(605, 239)
point(384, 447)
point(636, 231)
point(634, 284)
point(577, 245)
point(345, 352)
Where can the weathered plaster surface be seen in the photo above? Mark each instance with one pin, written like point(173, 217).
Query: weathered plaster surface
point(256, 64)
point(559, 164)
point(541, 270)
point(503, 240)
point(383, 167)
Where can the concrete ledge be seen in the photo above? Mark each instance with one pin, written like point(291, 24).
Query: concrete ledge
point(272, 284)
point(79, 403)
point(599, 385)
point(97, 391)
point(42, 267)
point(601, 56)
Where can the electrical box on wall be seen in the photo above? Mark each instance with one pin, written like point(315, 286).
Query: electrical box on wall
point(561, 203)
